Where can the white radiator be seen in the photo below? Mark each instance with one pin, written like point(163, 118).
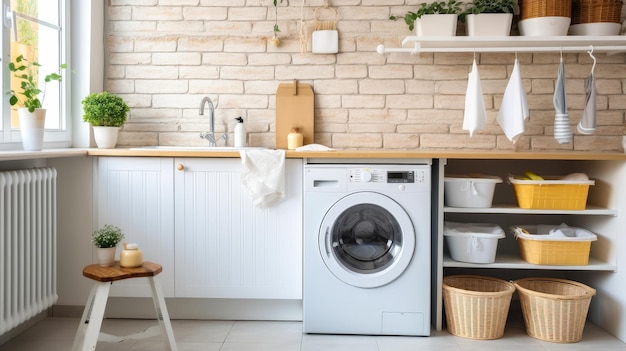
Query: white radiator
point(27, 244)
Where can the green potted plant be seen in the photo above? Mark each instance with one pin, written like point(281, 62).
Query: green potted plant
point(105, 240)
point(433, 19)
point(106, 113)
point(32, 115)
point(489, 17)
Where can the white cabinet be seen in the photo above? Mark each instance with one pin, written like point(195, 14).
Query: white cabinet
point(225, 246)
point(137, 195)
point(192, 216)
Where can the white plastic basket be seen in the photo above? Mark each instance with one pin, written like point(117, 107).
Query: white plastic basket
point(470, 191)
point(472, 242)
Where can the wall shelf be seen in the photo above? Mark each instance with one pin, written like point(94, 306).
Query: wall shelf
point(513, 209)
point(576, 43)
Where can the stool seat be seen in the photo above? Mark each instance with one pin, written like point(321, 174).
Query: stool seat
point(116, 272)
point(89, 333)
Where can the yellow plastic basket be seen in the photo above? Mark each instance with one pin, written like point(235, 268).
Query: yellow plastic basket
point(551, 194)
point(536, 248)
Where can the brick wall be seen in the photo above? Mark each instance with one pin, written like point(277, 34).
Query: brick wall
point(164, 56)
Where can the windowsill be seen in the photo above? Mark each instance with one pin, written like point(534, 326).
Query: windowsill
point(12, 155)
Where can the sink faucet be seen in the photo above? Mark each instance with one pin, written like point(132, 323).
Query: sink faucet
point(210, 135)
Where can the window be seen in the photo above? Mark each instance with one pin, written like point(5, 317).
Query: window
point(35, 30)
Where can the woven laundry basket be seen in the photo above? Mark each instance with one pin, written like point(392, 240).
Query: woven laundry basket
point(476, 307)
point(596, 11)
point(554, 309)
point(545, 8)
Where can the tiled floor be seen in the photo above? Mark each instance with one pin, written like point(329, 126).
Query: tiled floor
point(56, 334)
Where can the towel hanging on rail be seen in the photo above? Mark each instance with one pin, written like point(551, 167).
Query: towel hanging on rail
point(475, 116)
point(514, 109)
point(562, 129)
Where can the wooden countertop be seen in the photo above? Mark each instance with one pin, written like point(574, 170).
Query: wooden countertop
point(374, 154)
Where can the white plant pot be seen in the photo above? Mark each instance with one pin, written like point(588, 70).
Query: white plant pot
point(105, 256)
point(32, 126)
point(436, 25)
point(106, 137)
point(489, 24)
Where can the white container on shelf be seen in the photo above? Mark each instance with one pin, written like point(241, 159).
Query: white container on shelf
point(472, 242)
point(469, 191)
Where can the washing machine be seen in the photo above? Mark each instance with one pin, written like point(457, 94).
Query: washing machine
point(367, 255)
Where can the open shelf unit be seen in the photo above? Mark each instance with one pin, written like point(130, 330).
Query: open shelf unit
point(512, 209)
point(601, 44)
point(504, 261)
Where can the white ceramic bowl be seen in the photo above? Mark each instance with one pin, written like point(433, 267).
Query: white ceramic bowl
point(544, 26)
point(600, 28)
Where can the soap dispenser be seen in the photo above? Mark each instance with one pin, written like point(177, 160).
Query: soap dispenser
point(240, 133)
point(131, 256)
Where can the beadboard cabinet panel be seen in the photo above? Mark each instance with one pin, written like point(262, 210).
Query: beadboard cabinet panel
point(137, 195)
point(226, 247)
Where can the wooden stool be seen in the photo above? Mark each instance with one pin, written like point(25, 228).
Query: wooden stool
point(88, 332)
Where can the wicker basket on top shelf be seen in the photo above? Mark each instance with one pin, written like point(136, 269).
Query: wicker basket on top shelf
point(545, 8)
point(596, 11)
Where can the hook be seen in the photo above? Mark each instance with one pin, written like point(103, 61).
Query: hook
point(474, 54)
point(561, 48)
point(593, 58)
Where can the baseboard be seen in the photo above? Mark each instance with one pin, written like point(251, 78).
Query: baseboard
point(4, 338)
point(186, 308)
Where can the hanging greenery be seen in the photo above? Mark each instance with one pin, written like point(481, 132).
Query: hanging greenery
point(274, 40)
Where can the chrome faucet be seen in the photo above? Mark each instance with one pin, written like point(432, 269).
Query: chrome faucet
point(210, 135)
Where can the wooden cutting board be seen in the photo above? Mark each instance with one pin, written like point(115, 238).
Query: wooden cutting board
point(294, 109)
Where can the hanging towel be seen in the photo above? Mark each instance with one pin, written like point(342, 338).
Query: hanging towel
point(475, 115)
point(562, 129)
point(264, 175)
point(587, 124)
point(514, 110)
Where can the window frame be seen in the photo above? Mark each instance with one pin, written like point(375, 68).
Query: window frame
point(10, 139)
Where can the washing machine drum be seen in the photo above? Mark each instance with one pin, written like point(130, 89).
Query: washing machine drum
point(367, 239)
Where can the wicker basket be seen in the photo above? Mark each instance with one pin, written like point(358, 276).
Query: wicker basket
point(544, 8)
point(476, 307)
point(554, 309)
point(596, 11)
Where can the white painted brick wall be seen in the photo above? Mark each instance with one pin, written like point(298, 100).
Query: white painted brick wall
point(163, 56)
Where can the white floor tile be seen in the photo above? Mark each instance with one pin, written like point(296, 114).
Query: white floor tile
point(57, 334)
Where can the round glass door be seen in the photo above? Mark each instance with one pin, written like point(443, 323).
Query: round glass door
point(367, 239)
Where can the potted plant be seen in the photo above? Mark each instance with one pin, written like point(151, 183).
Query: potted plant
point(106, 239)
point(32, 115)
point(433, 19)
point(106, 113)
point(489, 17)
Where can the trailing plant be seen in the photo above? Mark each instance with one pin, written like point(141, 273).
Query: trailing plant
point(489, 6)
point(27, 72)
point(451, 7)
point(107, 236)
point(104, 109)
point(274, 40)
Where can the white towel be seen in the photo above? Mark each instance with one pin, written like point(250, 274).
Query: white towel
point(264, 175)
point(514, 110)
point(314, 147)
point(475, 115)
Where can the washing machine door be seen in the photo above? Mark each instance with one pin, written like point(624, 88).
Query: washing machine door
point(367, 239)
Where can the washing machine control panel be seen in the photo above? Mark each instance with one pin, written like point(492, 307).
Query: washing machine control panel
point(365, 175)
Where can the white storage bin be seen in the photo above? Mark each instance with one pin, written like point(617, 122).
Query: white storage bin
point(469, 191)
point(472, 242)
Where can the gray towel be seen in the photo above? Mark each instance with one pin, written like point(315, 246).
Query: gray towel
point(587, 124)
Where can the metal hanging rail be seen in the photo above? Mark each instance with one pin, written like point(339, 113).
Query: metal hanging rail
point(602, 44)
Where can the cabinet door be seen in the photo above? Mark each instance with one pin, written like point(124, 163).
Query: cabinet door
point(225, 246)
point(137, 195)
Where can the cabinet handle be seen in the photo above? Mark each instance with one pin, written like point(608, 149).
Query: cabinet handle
point(180, 167)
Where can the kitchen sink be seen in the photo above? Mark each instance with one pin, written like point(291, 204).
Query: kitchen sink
point(198, 148)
